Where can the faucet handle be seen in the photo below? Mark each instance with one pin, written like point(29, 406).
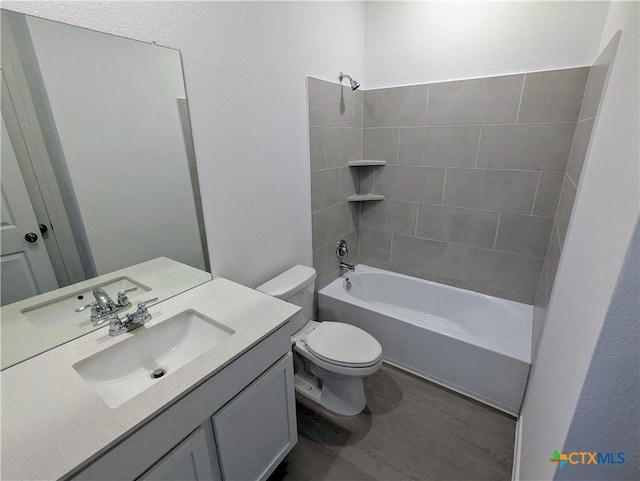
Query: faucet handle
point(122, 298)
point(342, 250)
point(141, 315)
point(142, 306)
point(116, 325)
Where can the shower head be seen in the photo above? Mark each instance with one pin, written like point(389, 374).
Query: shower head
point(354, 83)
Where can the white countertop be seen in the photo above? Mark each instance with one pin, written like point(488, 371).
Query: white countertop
point(22, 339)
point(52, 421)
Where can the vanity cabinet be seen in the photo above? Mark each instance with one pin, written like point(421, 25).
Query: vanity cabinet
point(237, 425)
point(255, 430)
point(191, 460)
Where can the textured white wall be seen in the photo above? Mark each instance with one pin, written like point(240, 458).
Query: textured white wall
point(604, 215)
point(420, 42)
point(602, 420)
point(245, 66)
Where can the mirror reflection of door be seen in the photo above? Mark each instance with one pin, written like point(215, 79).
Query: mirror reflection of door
point(26, 268)
point(100, 129)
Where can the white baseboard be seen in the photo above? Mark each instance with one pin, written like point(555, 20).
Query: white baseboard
point(515, 471)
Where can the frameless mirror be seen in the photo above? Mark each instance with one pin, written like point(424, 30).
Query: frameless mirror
point(99, 184)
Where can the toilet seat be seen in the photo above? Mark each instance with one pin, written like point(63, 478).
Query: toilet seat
point(343, 345)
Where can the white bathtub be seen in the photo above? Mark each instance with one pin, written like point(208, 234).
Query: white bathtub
point(472, 343)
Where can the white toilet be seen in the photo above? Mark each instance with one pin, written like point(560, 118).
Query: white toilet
point(331, 358)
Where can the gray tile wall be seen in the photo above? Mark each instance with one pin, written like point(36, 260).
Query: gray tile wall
point(479, 185)
point(569, 181)
point(335, 137)
point(474, 174)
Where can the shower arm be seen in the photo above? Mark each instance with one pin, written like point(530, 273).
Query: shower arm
point(354, 83)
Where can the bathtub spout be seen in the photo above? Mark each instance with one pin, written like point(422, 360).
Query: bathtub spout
point(347, 267)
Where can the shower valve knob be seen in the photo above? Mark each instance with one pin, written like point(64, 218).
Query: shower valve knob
point(342, 250)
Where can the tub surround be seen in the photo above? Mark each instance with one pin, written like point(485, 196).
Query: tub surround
point(53, 422)
point(335, 139)
point(473, 176)
point(570, 182)
point(472, 189)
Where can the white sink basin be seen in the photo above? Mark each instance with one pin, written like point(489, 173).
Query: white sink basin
point(124, 370)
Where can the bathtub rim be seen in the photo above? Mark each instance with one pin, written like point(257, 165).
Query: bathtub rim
point(334, 290)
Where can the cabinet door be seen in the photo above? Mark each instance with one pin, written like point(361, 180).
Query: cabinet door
point(191, 460)
point(257, 428)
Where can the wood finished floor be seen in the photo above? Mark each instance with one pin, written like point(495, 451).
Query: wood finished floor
point(410, 430)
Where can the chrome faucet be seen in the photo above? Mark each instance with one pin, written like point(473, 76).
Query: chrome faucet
point(104, 307)
point(103, 301)
point(347, 267)
point(131, 321)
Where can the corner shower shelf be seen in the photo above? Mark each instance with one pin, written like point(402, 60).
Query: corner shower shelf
point(364, 197)
point(365, 163)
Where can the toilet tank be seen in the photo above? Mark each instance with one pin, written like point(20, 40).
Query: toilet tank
point(296, 286)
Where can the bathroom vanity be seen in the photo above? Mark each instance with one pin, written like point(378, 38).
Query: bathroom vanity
point(39, 323)
point(228, 413)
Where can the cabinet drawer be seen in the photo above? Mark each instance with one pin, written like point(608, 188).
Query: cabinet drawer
point(257, 428)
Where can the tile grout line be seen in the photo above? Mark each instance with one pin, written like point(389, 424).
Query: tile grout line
point(463, 246)
point(467, 246)
point(571, 180)
point(330, 207)
point(495, 239)
point(535, 196)
point(426, 113)
point(444, 186)
point(358, 232)
point(398, 150)
point(524, 79)
point(546, 282)
point(359, 228)
point(391, 248)
point(375, 180)
point(438, 126)
point(478, 149)
point(415, 230)
point(562, 190)
point(555, 224)
point(475, 209)
point(421, 166)
point(326, 147)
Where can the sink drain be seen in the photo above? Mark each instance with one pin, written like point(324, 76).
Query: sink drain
point(158, 373)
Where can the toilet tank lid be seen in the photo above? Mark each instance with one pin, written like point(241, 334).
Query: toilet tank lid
point(289, 282)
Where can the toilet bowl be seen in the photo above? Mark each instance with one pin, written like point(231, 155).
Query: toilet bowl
point(331, 359)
